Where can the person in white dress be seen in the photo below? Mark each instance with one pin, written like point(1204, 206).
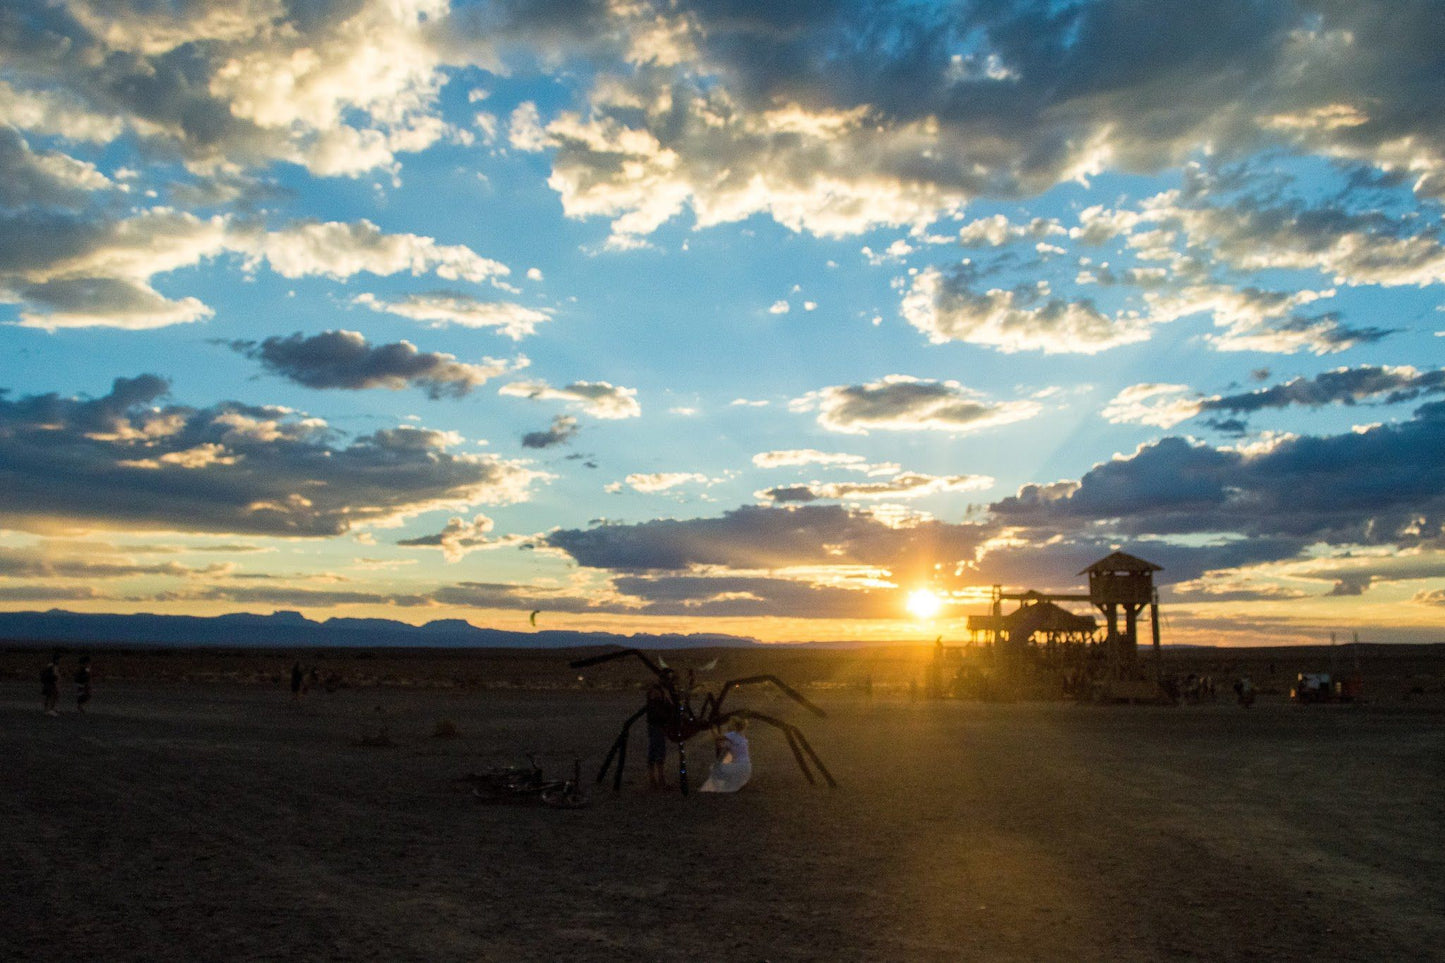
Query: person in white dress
point(733, 767)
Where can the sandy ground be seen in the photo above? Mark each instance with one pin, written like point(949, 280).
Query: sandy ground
point(222, 822)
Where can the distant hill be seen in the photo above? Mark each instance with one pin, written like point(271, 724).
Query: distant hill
point(292, 629)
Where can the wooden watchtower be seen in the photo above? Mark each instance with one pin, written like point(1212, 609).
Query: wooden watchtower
point(1122, 581)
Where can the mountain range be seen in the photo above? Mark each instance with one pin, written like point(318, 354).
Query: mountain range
point(292, 629)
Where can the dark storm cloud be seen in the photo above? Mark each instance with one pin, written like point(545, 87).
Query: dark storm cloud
point(1370, 486)
point(123, 461)
point(1346, 386)
point(753, 537)
point(563, 429)
point(345, 359)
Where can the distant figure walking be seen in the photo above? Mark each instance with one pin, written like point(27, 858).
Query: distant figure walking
point(733, 768)
point(50, 686)
point(297, 677)
point(82, 684)
point(1244, 688)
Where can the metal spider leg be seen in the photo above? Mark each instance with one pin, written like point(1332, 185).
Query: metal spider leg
point(619, 750)
point(796, 742)
point(682, 767)
point(787, 690)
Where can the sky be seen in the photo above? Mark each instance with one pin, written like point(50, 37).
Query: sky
point(741, 316)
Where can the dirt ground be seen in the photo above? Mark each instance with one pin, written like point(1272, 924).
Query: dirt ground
point(220, 821)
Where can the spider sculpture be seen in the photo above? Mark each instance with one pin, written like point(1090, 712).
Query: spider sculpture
point(685, 722)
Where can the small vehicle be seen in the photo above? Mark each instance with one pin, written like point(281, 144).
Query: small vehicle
point(528, 784)
point(1313, 687)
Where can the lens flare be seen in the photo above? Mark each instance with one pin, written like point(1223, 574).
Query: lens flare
point(924, 604)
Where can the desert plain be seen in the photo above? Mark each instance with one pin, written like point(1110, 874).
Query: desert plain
point(198, 812)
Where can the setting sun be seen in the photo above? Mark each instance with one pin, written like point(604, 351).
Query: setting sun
point(924, 604)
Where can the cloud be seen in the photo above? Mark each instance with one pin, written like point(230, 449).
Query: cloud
point(902, 403)
point(460, 537)
point(808, 456)
point(1350, 247)
point(1162, 406)
point(997, 231)
point(43, 179)
point(901, 485)
point(122, 461)
point(341, 250)
point(49, 565)
point(340, 88)
point(1367, 487)
point(597, 398)
point(563, 429)
point(742, 596)
point(835, 120)
point(74, 272)
point(345, 359)
point(661, 481)
point(755, 537)
point(439, 308)
point(293, 597)
point(944, 307)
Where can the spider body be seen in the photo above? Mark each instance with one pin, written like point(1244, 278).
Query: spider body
point(684, 721)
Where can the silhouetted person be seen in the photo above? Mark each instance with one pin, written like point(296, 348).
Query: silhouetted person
point(297, 677)
point(82, 684)
point(50, 686)
point(659, 715)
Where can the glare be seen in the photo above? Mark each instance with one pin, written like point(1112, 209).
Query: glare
point(924, 604)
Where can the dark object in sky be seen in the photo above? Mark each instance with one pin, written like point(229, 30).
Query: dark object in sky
point(533, 617)
point(685, 723)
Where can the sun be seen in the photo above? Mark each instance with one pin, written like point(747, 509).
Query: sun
point(924, 604)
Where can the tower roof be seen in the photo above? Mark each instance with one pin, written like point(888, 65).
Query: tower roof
point(1121, 562)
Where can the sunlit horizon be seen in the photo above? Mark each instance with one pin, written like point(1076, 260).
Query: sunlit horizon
point(665, 319)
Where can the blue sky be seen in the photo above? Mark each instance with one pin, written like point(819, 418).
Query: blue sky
point(747, 317)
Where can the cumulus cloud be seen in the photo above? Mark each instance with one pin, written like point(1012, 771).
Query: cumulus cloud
point(945, 307)
point(439, 308)
point(345, 359)
point(998, 230)
point(341, 250)
point(341, 88)
point(102, 463)
point(902, 403)
point(597, 398)
point(459, 537)
point(661, 481)
point(43, 179)
point(834, 120)
point(562, 430)
point(73, 272)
